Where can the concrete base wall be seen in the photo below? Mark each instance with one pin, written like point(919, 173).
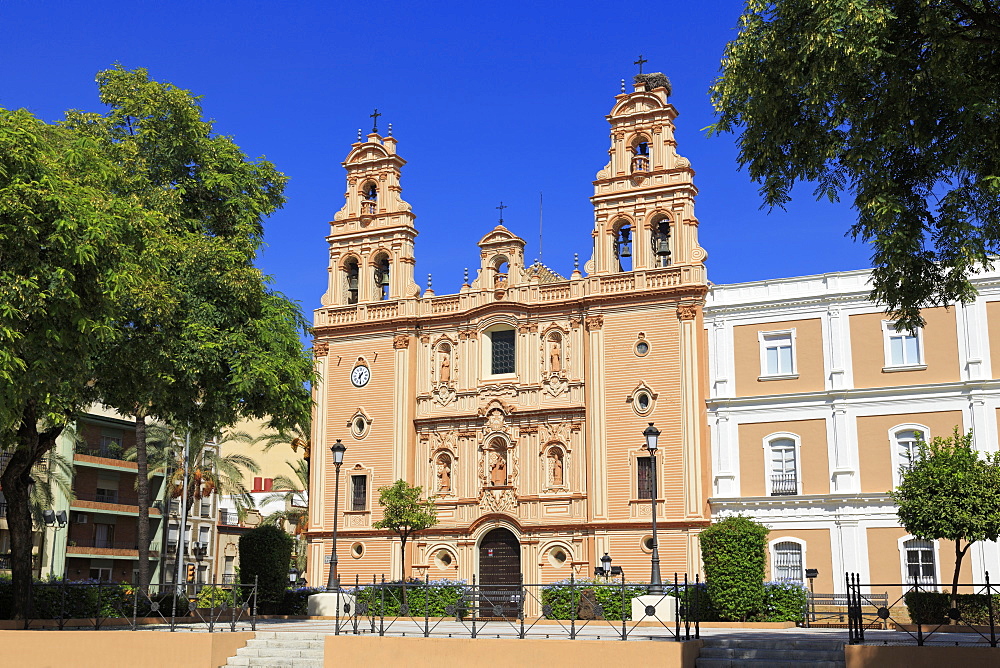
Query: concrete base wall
point(101, 649)
point(865, 656)
point(491, 653)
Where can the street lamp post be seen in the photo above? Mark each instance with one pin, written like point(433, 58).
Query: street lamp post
point(55, 521)
point(337, 449)
point(655, 584)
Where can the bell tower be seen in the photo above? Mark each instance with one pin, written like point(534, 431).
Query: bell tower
point(371, 238)
point(644, 197)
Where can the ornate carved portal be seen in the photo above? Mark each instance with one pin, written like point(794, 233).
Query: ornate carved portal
point(498, 463)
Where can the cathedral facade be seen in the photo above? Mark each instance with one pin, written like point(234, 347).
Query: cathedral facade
point(518, 404)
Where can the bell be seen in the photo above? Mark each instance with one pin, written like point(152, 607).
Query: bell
point(382, 278)
point(352, 282)
point(663, 246)
point(626, 250)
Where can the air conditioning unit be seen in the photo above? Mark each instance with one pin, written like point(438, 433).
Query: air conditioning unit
point(80, 518)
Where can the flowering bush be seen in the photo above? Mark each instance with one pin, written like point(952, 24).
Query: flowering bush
point(296, 601)
point(785, 601)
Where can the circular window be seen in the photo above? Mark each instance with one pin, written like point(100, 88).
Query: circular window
point(444, 560)
point(642, 348)
point(558, 556)
point(358, 550)
point(359, 426)
point(646, 544)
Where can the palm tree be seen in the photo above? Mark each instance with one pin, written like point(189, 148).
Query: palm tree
point(292, 494)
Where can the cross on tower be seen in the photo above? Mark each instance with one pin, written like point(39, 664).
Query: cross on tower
point(501, 207)
point(640, 62)
point(374, 115)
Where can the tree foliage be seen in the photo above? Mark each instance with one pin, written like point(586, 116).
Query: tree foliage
point(893, 102)
point(951, 492)
point(734, 552)
point(405, 513)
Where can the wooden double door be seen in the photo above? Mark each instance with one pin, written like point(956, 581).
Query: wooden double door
point(499, 592)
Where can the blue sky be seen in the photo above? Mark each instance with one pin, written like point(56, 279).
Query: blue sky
point(489, 102)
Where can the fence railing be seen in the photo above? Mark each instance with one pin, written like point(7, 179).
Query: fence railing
point(933, 616)
point(212, 606)
point(569, 609)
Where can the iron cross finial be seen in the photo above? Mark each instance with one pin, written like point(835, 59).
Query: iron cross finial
point(640, 62)
point(501, 208)
point(374, 115)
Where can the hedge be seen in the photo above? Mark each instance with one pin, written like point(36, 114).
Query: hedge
point(785, 601)
point(296, 601)
point(266, 554)
point(734, 552)
point(85, 599)
point(563, 598)
point(423, 598)
point(931, 607)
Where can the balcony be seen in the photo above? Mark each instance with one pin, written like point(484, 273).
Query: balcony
point(108, 496)
point(109, 451)
point(784, 484)
point(229, 517)
point(88, 544)
point(228, 578)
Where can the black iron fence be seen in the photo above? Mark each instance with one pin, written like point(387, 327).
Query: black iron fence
point(101, 605)
point(924, 614)
point(568, 609)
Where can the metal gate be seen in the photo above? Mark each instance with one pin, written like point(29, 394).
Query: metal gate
point(499, 591)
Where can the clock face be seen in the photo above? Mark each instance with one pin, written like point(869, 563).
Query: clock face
point(360, 376)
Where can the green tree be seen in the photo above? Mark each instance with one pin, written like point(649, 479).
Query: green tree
point(734, 552)
point(68, 250)
point(405, 513)
point(951, 492)
point(265, 557)
point(893, 102)
point(205, 341)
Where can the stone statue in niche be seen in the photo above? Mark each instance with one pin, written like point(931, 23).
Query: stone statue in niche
point(555, 358)
point(555, 467)
point(498, 469)
point(445, 372)
point(444, 473)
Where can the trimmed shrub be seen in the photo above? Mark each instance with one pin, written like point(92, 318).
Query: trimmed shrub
point(734, 552)
point(563, 598)
point(697, 604)
point(296, 601)
point(423, 598)
point(785, 601)
point(265, 554)
point(215, 597)
point(931, 607)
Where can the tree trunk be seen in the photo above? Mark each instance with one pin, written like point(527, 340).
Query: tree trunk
point(142, 492)
point(31, 445)
point(402, 563)
point(959, 554)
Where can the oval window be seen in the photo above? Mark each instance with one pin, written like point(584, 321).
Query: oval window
point(357, 550)
point(643, 400)
point(641, 348)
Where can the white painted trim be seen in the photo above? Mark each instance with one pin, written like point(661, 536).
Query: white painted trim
point(786, 539)
point(761, 341)
point(893, 432)
point(900, 546)
point(797, 441)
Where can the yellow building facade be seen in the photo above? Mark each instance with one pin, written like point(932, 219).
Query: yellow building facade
point(519, 403)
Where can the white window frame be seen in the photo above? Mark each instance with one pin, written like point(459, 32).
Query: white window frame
point(889, 331)
point(904, 575)
point(486, 337)
point(894, 445)
point(762, 343)
point(778, 436)
point(772, 553)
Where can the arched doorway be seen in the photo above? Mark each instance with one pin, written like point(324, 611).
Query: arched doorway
point(499, 574)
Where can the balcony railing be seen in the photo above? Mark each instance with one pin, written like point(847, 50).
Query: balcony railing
point(104, 544)
point(228, 517)
point(784, 484)
point(5, 559)
point(108, 496)
point(228, 578)
point(110, 451)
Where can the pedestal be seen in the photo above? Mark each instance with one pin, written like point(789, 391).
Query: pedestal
point(326, 604)
point(663, 609)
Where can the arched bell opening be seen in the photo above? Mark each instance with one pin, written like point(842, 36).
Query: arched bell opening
point(381, 275)
point(661, 242)
point(351, 273)
point(623, 246)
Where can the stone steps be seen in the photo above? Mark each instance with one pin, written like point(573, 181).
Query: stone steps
point(770, 653)
point(271, 649)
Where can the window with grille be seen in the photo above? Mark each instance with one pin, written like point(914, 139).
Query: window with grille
point(788, 561)
point(784, 468)
point(644, 470)
point(359, 492)
point(502, 357)
point(920, 561)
